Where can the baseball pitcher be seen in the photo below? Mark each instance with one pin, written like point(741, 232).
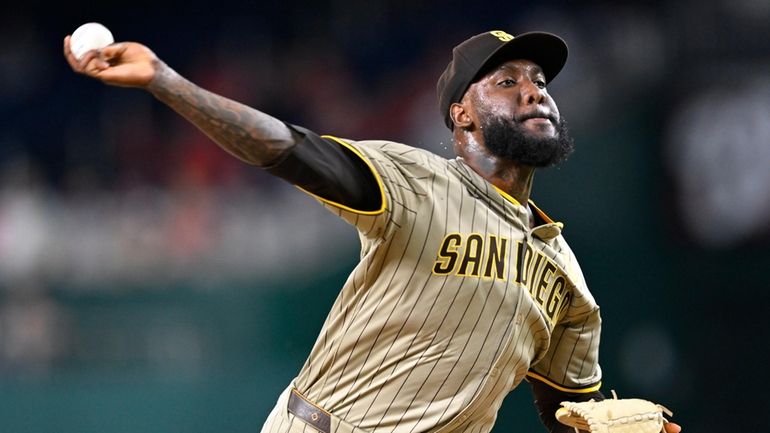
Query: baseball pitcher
point(465, 288)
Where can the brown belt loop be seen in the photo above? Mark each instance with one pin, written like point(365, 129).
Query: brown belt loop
point(308, 412)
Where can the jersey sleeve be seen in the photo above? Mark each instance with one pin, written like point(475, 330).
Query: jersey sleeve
point(374, 185)
point(571, 364)
point(324, 168)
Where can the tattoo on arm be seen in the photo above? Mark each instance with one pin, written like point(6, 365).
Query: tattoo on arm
point(248, 134)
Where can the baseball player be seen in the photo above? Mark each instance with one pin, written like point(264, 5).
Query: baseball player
point(464, 288)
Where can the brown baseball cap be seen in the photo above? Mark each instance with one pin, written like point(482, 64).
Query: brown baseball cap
point(476, 55)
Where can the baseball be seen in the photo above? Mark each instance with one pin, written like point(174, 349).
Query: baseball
point(89, 36)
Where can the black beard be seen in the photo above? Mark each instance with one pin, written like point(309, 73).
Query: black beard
point(507, 139)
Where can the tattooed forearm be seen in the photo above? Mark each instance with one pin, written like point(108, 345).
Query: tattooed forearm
point(248, 134)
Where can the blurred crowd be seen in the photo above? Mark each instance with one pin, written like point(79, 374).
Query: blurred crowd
point(101, 183)
point(104, 188)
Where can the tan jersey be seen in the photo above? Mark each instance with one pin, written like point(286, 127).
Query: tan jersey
point(455, 301)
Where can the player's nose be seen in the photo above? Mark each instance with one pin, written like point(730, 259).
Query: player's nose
point(531, 93)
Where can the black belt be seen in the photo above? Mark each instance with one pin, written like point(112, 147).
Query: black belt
point(308, 412)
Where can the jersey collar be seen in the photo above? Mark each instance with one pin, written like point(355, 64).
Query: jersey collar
point(502, 200)
point(546, 231)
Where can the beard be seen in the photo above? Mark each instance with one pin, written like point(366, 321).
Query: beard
point(508, 139)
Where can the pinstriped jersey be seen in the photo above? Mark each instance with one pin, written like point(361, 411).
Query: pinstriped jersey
point(455, 300)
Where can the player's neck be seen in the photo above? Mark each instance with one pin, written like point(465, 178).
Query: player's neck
point(513, 178)
point(516, 180)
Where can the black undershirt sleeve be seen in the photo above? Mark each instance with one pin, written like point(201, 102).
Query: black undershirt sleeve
point(329, 170)
point(548, 399)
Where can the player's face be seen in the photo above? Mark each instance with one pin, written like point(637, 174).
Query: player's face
point(517, 118)
point(516, 90)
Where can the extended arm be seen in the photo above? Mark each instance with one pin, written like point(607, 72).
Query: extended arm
point(295, 154)
point(248, 134)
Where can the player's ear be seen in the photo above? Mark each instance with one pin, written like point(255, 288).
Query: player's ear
point(460, 116)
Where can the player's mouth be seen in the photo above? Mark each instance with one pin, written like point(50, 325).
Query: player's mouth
point(538, 121)
point(537, 117)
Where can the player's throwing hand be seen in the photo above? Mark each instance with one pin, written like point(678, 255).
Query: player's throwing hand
point(126, 64)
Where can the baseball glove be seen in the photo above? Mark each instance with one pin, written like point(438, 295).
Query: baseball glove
point(631, 415)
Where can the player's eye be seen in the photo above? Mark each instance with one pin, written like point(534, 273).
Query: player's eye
point(508, 82)
point(540, 84)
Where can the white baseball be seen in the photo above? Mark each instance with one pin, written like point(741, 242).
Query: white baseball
point(89, 36)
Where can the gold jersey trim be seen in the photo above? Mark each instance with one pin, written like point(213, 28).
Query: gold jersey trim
point(545, 217)
point(564, 388)
point(383, 205)
point(542, 214)
point(506, 195)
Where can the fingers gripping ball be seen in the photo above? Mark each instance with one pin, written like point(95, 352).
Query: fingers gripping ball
point(613, 416)
point(89, 36)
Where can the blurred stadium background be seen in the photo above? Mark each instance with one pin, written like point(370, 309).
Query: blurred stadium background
point(150, 283)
